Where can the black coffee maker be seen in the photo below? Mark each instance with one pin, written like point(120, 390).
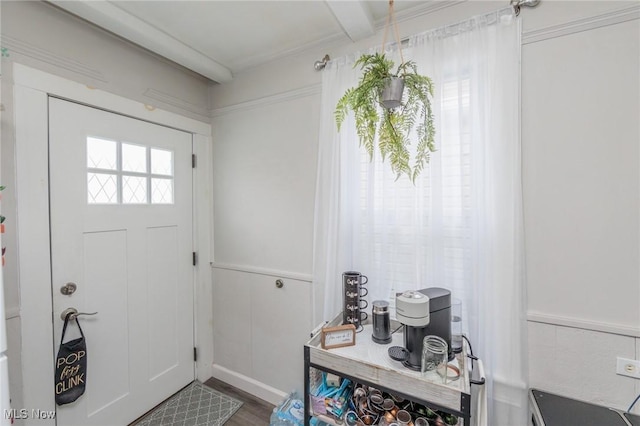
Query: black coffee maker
point(424, 312)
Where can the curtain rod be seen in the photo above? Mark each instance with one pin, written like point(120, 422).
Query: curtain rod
point(517, 4)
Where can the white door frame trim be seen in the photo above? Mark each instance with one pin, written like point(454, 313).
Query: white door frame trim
point(31, 90)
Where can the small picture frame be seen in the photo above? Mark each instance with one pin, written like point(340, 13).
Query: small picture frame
point(338, 336)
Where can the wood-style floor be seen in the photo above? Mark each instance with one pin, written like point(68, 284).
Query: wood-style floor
point(254, 411)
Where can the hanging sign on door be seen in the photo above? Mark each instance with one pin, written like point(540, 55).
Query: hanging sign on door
point(71, 366)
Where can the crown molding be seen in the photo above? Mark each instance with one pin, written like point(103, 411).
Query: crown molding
point(302, 92)
point(29, 50)
point(181, 104)
point(580, 25)
point(261, 59)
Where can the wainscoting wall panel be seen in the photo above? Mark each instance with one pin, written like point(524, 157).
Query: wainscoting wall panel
point(580, 363)
point(260, 331)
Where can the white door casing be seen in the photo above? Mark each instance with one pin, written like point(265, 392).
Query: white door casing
point(131, 262)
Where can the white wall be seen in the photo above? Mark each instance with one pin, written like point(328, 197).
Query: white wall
point(43, 37)
point(581, 150)
point(264, 181)
point(581, 186)
point(580, 137)
point(267, 181)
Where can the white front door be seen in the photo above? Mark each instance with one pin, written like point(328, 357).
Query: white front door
point(121, 231)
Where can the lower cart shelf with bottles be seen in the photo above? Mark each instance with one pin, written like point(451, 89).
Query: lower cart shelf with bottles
point(368, 363)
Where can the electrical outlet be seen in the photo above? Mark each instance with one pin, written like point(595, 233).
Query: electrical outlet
point(628, 367)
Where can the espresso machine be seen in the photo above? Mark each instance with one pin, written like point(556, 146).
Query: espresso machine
point(422, 313)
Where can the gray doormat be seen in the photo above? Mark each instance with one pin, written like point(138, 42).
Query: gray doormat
point(195, 405)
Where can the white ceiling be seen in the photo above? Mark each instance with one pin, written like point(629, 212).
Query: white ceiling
point(218, 38)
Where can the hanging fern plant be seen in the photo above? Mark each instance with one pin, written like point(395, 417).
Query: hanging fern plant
point(391, 127)
point(389, 121)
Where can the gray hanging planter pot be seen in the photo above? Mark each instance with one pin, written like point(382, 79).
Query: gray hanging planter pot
point(391, 95)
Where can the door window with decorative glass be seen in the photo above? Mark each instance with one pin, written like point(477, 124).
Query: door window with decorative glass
point(121, 172)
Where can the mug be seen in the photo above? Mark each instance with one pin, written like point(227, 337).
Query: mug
point(357, 318)
point(354, 278)
point(354, 296)
point(354, 291)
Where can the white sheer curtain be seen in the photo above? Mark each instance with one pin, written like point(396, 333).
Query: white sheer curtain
point(460, 226)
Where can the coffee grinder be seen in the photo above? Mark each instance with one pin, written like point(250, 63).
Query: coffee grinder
point(422, 313)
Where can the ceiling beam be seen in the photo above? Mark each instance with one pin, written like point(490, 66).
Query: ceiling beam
point(112, 18)
point(354, 17)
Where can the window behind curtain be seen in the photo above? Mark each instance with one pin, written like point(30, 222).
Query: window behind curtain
point(428, 224)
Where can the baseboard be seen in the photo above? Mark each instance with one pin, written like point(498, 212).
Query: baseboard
point(247, 384)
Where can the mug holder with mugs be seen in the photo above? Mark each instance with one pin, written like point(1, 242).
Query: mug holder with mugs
point(353, 293)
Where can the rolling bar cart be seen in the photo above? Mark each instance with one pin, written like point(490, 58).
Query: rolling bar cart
point(368, 363)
